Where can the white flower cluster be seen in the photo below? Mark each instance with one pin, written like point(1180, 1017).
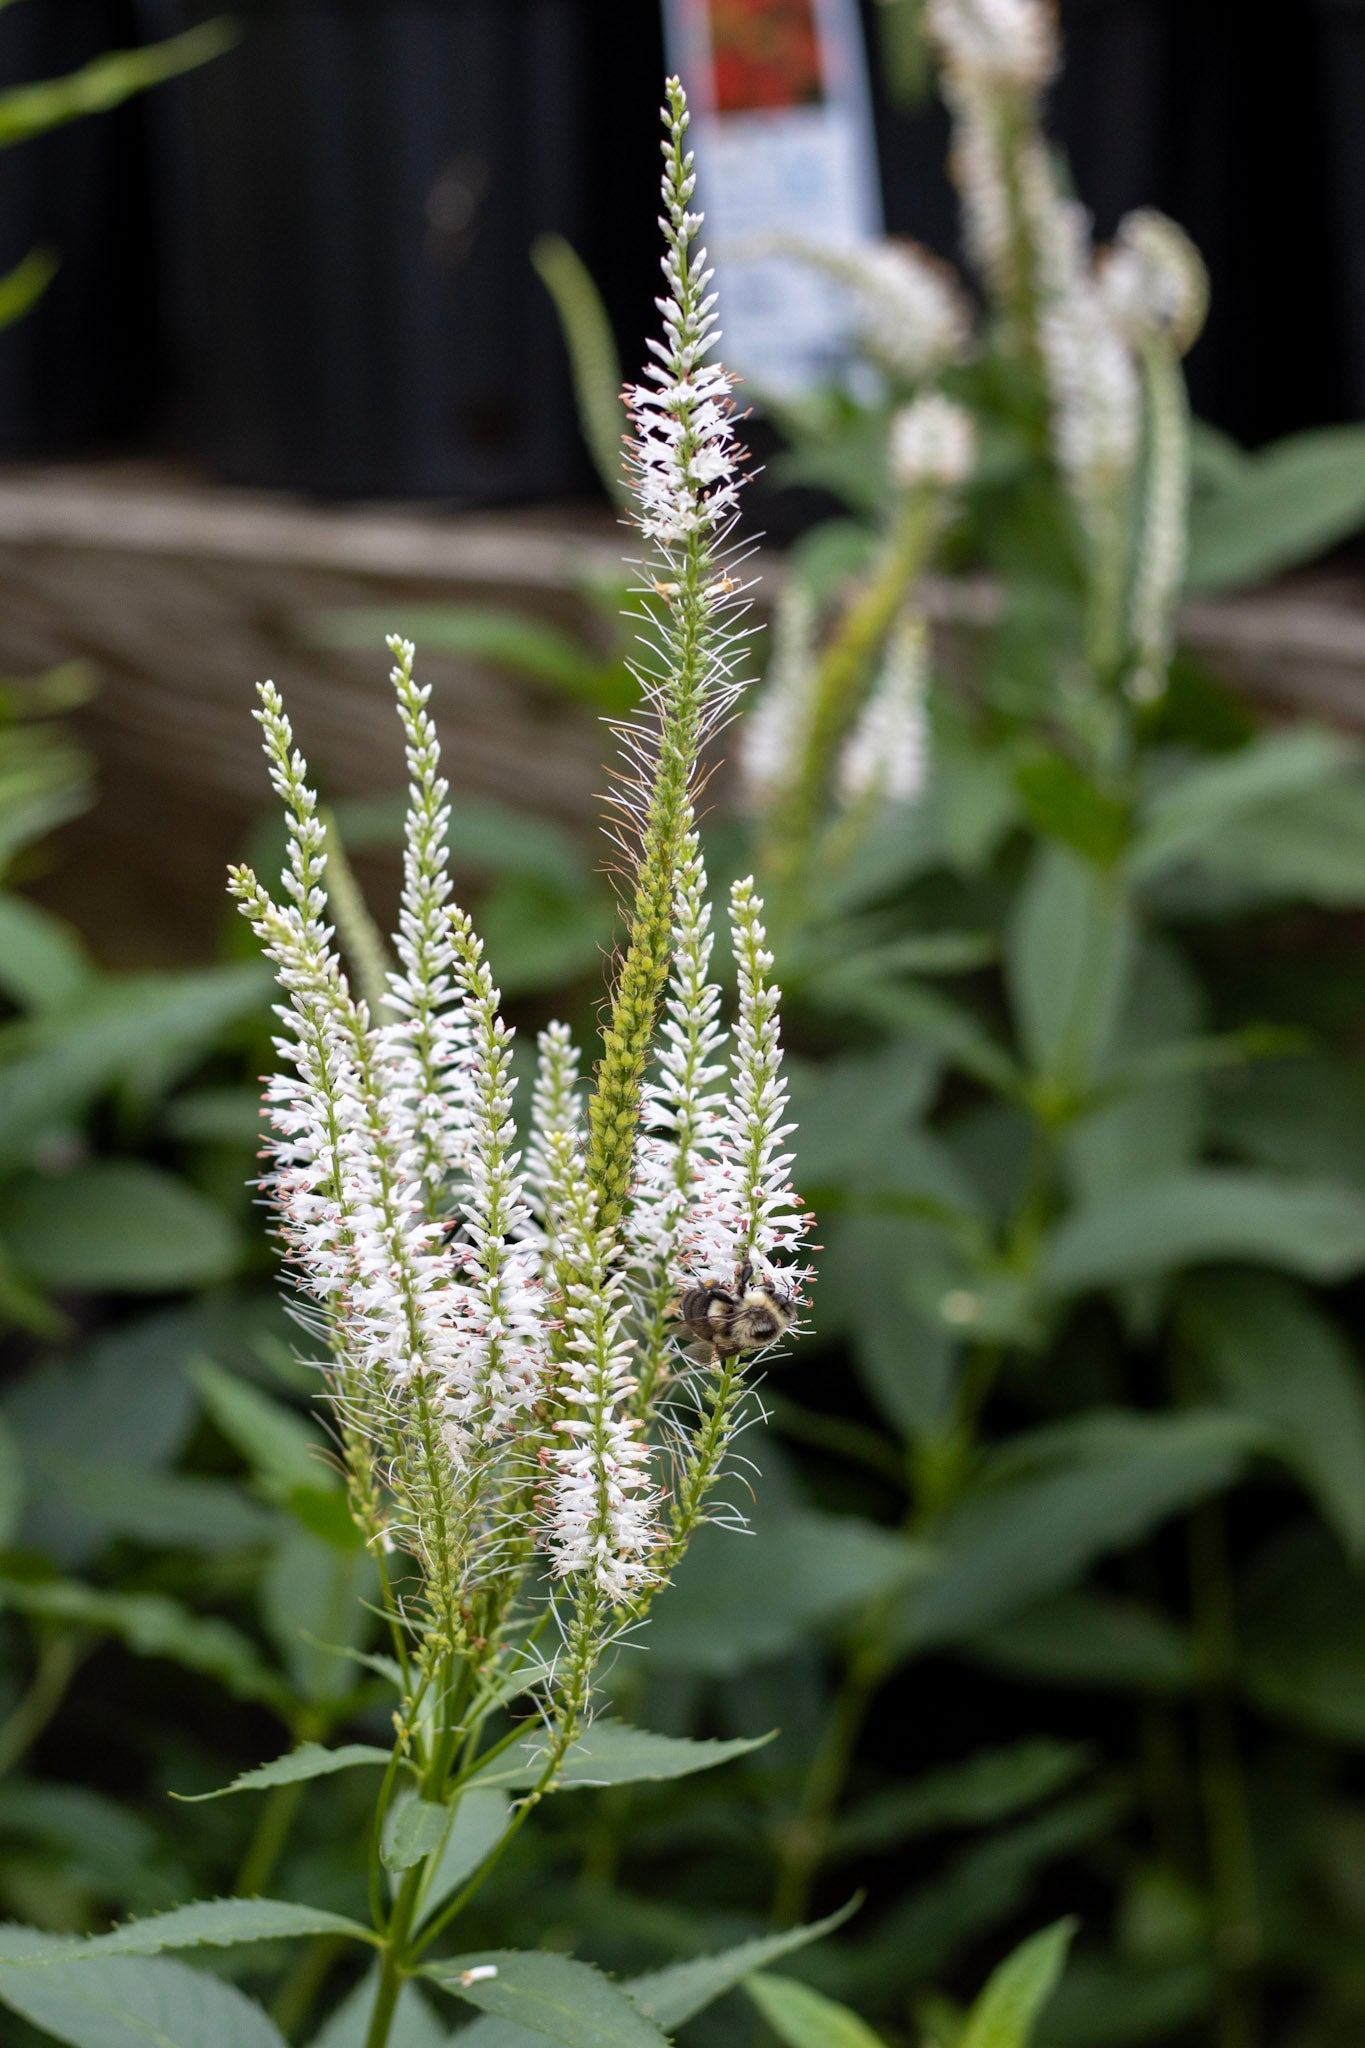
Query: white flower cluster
point(682, 458)
point(450, 1279)
point(714, 1190)
point(886, 756)
point(933, 444)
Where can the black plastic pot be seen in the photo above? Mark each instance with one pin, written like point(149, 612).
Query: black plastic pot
point(352, 195)
point(83, 368)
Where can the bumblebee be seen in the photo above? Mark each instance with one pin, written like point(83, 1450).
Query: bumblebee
point(748, 1317)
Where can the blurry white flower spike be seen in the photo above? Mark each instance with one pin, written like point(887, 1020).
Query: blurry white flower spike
point(886, 757)
point(1010, 41)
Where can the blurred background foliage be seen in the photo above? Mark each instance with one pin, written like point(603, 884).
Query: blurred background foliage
point(1055, 1595)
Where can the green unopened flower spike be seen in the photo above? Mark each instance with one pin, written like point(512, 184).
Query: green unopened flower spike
point(684, 469)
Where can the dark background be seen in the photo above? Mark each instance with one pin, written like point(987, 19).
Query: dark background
point(306, 265)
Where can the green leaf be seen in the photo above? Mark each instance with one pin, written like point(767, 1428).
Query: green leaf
point(540, 935)
point(593, 357)
point(106, 81)
point(610, 1753)
point(309, 1760)
point(316, 1601)
point(481, 1821)
point(1050, 1506)
point(1066, 805)
point(1285, 505)
point(43, 960)
point(910, 1008)
point(216, 1116)
point(674, 1995)
point(23, 286)
point(908, 1364)
point(989, 1787)
point(1280, 1359)
point(413, 1827)
point(1008, 2009)
point(551, 1995)
point(804, 2018)
point(1301, 1115)
point(11, 1486)
point(127, 1395)
point(522, 645)
point(1152, 1128)
point(1089, 1639)
point(119, 1225)
point(134, 2002)
point(1314, 1228)
point(1067, 962)
point(151, 1625)
point(733, 1604)
point(487, 837)
point(851, 1109)
point(1107, 2004)
point(156, 1508)
point(1302, 1637)
point(213, 1923)
point(983, 1887)
point(283, 1450)
point(1308, 848)
point(1196, 809)
point(140, 1031)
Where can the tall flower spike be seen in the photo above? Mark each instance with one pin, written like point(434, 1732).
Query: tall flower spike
point(684, 473)
point(1154, 282)
point(680, 1115)
point(886, 756)
point(603, 1508)
point(555, 1111)
point(498, 1364)
point(347, 1199)
point(429, 1045)
point(746, 1212)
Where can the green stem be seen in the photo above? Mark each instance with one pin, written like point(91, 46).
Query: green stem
point(839, 688)
point(1222, 1784)
point(58, 1661)
point(304, 1979)
point(807, 1842)
point(393, 1968)
point(269, 1840)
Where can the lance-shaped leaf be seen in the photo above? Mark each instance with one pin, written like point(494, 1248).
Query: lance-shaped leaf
point(134, 2002)
point(673, 1995)
point(549, 1995)
point(211, 1923)
point(610, 1753)
point(309, 1760)
point(804, 2018)
point(1005, 2014)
